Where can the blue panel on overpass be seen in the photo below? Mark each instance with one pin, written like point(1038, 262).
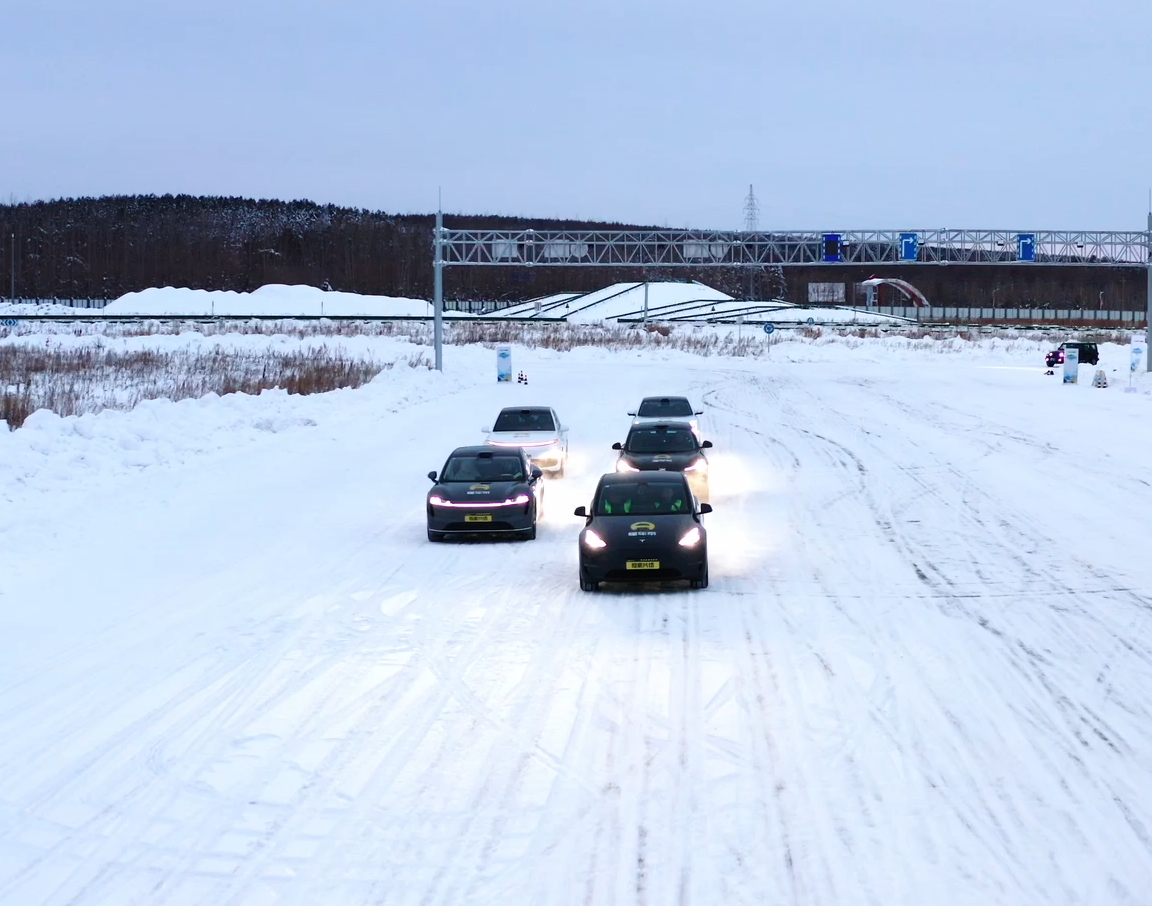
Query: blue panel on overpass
point(909, 247)
point(832, 248)
point(1026, 247)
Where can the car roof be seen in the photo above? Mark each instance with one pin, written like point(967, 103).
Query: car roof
point(664, 399)
point(481, 449)
point(671, 423)
point(610, 478)
point(526, 409)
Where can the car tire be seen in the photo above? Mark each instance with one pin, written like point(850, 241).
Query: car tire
point(435, 536)
point(587, 584)
point(530, 535)
point(702, 582)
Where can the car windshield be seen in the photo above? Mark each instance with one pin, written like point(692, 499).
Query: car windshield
point(483, 467)
point(676, 407)
point(643, 498)
point(660, 440)
point(525, 420)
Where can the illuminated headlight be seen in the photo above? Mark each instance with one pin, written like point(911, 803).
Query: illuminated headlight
point(594, 541)
point(691, 537)
point(435, 501)
point(623, 465)
point(521, 499)
point(700, 465)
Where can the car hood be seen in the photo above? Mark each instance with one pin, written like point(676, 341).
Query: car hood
point(479, 492)
point(630, 532)
point(670, 462)
point(522, 438)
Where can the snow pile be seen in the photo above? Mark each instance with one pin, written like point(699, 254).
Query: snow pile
point(270, 300)
point(19, 309)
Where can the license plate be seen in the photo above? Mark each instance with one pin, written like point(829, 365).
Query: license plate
point(478, 517)
point(643, 564)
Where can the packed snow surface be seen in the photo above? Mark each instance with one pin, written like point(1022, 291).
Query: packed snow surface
point(233, 670)
point(273, 299)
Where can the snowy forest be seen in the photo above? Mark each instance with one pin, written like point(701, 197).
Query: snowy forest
point(101, 248)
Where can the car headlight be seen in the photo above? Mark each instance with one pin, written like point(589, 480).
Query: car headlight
point(691, 537)
point(435, 501)
point(593, 541)
point(700, 465)
point(623, 465)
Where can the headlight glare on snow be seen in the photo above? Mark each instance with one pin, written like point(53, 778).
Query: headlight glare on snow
point(593, 541)
point(691, 537)
point(699, 465)
point(623, 465)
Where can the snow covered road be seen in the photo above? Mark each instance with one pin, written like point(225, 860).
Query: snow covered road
point(921, 674)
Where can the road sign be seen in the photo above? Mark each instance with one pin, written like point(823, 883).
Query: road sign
point(769, 327)
point(8, 322)
point(831, 248)
point(1026, 247)
point(811, 320)
point(909, 247)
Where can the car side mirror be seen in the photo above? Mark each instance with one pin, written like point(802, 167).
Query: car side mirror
point(632, 414)
point(432, 476)
point(486, 430)
point(536, 473)
point(705, 508)
point(701, 412)
point(580, 511)
point(706, 445)
point(616, 446)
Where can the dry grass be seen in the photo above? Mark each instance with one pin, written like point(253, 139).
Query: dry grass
point(92, 378)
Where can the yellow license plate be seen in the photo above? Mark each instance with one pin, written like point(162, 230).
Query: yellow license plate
point(643, 564)
point(478, 517)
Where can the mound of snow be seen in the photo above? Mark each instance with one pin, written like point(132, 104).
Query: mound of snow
point(273, 299)
point(18, 309)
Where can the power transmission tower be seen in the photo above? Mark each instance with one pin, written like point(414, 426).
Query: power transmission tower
point(751, 212)
point(752, 225)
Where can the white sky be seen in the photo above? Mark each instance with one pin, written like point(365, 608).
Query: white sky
point(843, 113)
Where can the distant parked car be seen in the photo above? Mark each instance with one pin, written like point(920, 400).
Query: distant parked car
point(1089, 354)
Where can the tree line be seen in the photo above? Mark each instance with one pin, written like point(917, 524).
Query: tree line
point(101, 248)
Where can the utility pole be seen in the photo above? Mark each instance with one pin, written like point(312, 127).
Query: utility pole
point(438, 290)
point(13, 288)
point(1148, 311)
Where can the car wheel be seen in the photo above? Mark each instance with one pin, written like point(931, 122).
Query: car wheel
point(530, 535)
point(435, 536)
point(588, 584)
point(702, 582)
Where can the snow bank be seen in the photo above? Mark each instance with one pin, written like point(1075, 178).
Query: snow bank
point(274, 299)
point(19, 309)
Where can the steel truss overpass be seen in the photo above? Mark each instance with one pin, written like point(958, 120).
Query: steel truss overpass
point(698, 248)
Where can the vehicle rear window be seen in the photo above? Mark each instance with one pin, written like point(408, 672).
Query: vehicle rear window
point(643, 497)
point(660, 440)
point(483, 468)
point(665, 408)
point(525, 420)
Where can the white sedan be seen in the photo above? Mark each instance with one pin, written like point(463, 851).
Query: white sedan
point(654, 409)
point(537, 431)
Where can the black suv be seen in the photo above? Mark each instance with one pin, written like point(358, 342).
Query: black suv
point(1089, 355)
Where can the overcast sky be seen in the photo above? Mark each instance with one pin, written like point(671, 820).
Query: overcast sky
point(1021, 114)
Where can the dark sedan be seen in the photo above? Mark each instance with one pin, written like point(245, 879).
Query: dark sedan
point(481, 490)
point(666, 447)
point(643, 527)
